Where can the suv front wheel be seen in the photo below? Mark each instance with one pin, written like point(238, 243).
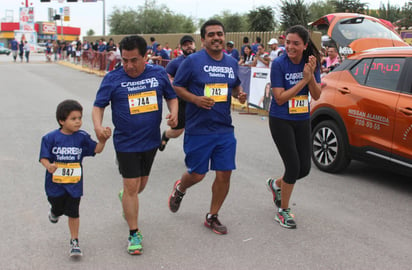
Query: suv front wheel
point(329, 151)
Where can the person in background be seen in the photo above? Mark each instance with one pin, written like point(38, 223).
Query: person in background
point(14, 46)
point(256, 44)
point(245, 43)
point(232, 51)
point(26, 51)
point(332, 60)
point(177, 51)
point(249, 57)
point(294, 75)
point(21, 50)
point(262, 59)
point(188, 47)
point(168, 50)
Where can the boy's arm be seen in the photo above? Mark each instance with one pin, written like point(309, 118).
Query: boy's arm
point(51, 167)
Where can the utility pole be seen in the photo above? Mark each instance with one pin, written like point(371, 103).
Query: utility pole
point(104, 18)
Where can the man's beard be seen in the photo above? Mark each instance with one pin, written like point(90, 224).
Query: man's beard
point(186, 53)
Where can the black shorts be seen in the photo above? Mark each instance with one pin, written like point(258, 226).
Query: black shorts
point(65, 205)
point(181, 115)
point(135, 164)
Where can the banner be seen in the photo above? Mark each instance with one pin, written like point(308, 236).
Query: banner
point(26, 19)
point(260, 93)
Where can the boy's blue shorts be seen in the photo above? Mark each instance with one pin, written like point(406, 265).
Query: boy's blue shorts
point(219, 149)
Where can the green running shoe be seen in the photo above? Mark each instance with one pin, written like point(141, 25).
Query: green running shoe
point(275, 191)
point(135, 244)
point(285, 219)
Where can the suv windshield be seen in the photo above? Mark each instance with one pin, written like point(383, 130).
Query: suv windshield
point(348, 30)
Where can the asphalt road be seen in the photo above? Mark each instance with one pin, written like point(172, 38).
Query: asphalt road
point(359, 219)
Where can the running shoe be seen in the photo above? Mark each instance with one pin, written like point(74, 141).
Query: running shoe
point(270, 183)
point(214, 224)
point(75, 250)
point(285, 219)
point(175, 198)
point(135, 244)
point(52, 217)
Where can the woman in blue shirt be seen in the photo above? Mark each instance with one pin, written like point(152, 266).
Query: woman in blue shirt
point(294, 75)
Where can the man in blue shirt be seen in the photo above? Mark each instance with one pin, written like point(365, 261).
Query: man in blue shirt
point(232, 51)
point(207, 80)
point(135, 93)
point(188, 46)
point(14, 46)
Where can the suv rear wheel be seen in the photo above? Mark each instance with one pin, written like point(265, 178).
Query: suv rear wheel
point(329, 151)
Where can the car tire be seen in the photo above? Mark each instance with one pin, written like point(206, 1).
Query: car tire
point(329, 147)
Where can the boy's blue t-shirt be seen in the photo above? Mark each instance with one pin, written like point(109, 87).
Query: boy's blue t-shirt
point(136, 105)
point(173, 65)
point(195, 73)
point(59, 147)
point(285, 74)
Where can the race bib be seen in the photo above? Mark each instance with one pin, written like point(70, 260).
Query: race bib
point(216, 91)
point(143, 102)
point(299, 104)
point(67, 173)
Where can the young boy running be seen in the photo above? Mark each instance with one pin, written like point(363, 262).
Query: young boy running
point(61, 153)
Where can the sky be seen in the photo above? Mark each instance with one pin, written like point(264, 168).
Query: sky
point(90, 15)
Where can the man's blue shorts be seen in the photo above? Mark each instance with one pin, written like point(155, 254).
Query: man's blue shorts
point(219, 149)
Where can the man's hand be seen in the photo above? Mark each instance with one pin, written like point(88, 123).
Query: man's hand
point(242, 97)
point(103, 133)
point(204, 102)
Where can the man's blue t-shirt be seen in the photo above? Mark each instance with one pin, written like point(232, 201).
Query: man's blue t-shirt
point(285, 74)
point(14, 45)
point(173, 65)
point(201, 74)
point(234, 53)
point(163, 54)
point(136, 105)
point(62, 148)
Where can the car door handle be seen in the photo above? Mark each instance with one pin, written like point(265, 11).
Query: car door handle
point(407, 111)
point(344, 90)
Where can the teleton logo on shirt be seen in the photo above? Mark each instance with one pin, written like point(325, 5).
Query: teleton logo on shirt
point(140, 85)
point(217, 71)
point(294, 78)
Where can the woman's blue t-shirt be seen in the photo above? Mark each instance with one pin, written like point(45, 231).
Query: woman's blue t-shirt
point(136, 105)
point(286, 74)
point(195, 73)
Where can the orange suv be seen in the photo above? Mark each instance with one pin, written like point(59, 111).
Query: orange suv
point(365, 112)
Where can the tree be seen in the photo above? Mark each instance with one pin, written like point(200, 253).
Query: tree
point(233, 22)
point(294, 12)
point(123, 22)
point(90, 32)
point(320, 8)
point(406, 20)
point(387, 12)
point(149, 18)
point(261, 19)
point(354, 6)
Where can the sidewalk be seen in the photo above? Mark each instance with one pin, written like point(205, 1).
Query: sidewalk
point(236, 105)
